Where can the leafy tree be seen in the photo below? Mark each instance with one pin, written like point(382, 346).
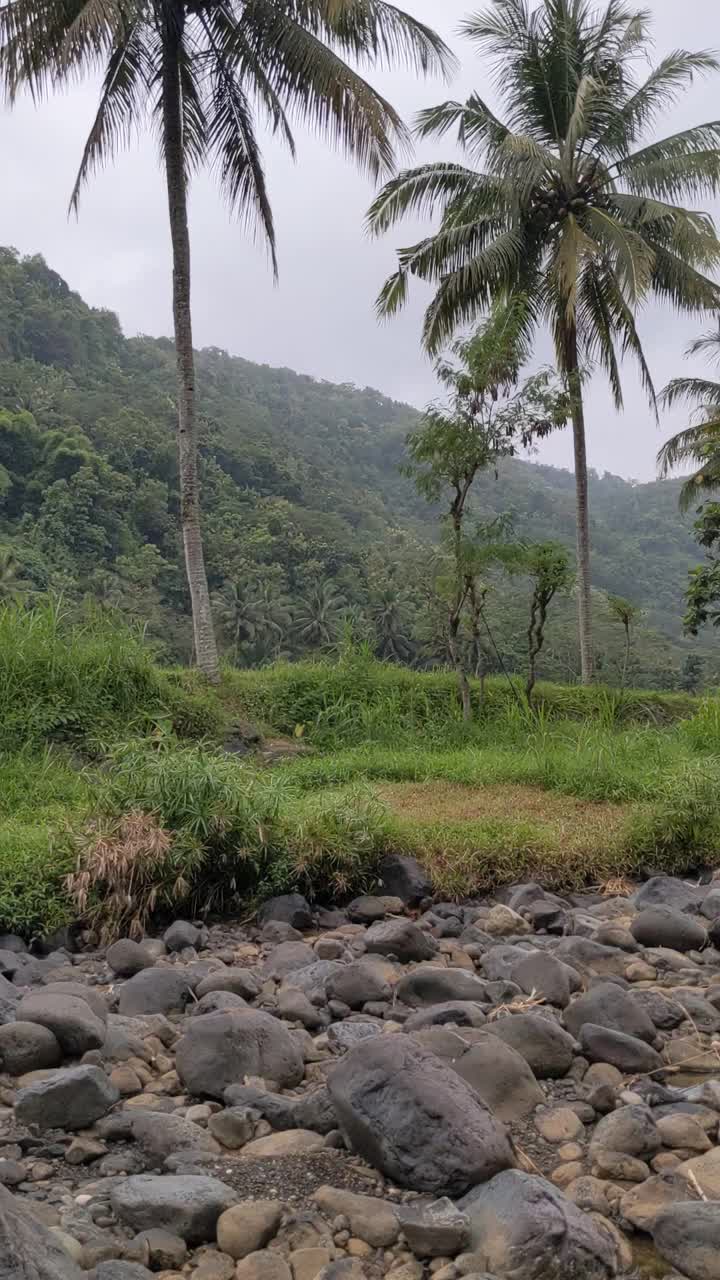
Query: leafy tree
point(548, 567)
point(202, 73)
point(486, 418)
point(703, 592)
point(628, 615)
point(565, 201)
point(390, 616)
point(692, 673)
point(699, 443)
point(320, 615)
point(257, 618)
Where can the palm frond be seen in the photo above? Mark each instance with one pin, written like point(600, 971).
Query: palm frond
point(701, 392)
point(660, 90)
point(464, 293)
point(420, 192)
point(631, 256)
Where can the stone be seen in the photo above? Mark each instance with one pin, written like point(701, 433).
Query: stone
point(683, 1132)
point(359, 982)
point(369, 908)
point(414, 1119)
point(703, 1172)
point(289, 1142)
point(400, 938)
point(546, 1048)
point(591, 958)
point(688, 1053)
point(627, 1053)
point(28, 1250)
point(665, 1014)
point(71, 1099)
point(71, 1020)
point(522, 1226)
point(155, 991)
point(166, 1251)
point(310, 1110)
point(312, 979)
point(126, 958)
point(345, 1035)
point(688, 1235)
point(95, 999)
point(294, 1006)
point(641, 1205)
point(27, 1046)
point(213, 1265)
point(233, 1127)
point(664, 927)
point(542, 975)
point(429, 985)
point(160, 1136)
point(287, 958)
point(372, 1220)
point(617, 1166)
point(189, 1205)
point(501, 1078)
point(238, 981)
point(404, 878)
point(667, 891)
point(306, 1264)
point(459, 1013)
point(288, 908)
point(631, 1130)
point(84, 1151)
point(503, 922)
point(607, 1005)
point(120, 1269)
point(268, 1264)
point(435, 1230)
point(248, 1226)
point(559, 1124)
point(222, 1048)
point(12, 1173)
point(182, 934)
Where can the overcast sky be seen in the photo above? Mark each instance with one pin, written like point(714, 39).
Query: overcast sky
point(320, 318)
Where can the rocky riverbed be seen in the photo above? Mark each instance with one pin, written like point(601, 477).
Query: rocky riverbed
point(525, 1087)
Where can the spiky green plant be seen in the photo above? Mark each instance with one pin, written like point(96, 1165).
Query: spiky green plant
point(698, 444)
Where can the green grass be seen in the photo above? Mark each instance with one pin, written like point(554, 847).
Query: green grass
point(110, 765)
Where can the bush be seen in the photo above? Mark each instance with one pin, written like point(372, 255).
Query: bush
point(32, 872)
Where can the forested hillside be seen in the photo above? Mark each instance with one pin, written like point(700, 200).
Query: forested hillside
point(309, 522)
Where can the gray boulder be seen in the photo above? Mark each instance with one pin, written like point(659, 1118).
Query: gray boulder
point(182, 934)
point(607, 1005)
point(313, 979)
point(414, 1119)
point(541, 974)
point(28, 1250)
point(546, 1048)
point(665, 927)
point(92, 997)
point(627, 1053)
point(26, 1046)
point(160, 1136)
point(522, 1226)
point(434, 1230)
point(688, 1235)
point(127, 957)
point(501, 1077)
point(241, 982)
point(186, 1204)
point(70, 1099)
point(288, 908)
point(428, 986)
point(155, 991)
point(458, 1013)
point(359, 982)
point(668, 891)
point(400, 938)
point(75, 1027)
point(287, 958)
point(217, 1002)
point(631, 1130)
point(221, 1049)
point(404, 878)
point(313, 1110)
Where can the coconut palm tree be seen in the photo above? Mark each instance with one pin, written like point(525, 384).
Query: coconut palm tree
point(566, 200)
point(699, 443)
point(628, 615)
point(201, 73)
point(319, 615)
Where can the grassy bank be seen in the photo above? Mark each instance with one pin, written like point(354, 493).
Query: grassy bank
point(117, 803)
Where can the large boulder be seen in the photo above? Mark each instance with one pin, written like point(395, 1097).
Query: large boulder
point(404, 878)
point(627, 1053)
point(688, 1235)
point(288, 908)
point(241, 982)
point(400, 938)
point(522, 1226)
point(414, 1119)
point(631, 1130)
point(27, 1046)
point(155, 991)
point(542, 975)
point(70, 1099)
point(28, 1250)
point(75, 1027)
point(429, 985)
point(546, 1048)
point(359, 982)
point(160, 1136)
point(183, 934)
point(668, 891)
point(222, 1048)
point(501, 1077)
point(607, 1005)
point(188, 1205)
point(665, 927)
point(310, 1110)
point(127, 957)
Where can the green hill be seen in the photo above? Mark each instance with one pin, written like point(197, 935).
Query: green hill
point(308, 518)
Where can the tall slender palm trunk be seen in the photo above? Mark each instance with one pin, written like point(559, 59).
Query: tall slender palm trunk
point(206, 656)
point(584, 598)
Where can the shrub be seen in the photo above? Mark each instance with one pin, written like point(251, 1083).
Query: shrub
point(32, 872)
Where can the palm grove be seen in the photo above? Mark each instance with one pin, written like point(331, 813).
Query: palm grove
point(567, 213)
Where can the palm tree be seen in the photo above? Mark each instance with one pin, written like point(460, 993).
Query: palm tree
point(628, 615)
point(389, 612)
point(201, 72)
point(565, 201)
point(319, 616)
point(700, 442)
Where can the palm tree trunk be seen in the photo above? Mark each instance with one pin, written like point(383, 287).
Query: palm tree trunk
point(204, 636)
point(584, 598)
